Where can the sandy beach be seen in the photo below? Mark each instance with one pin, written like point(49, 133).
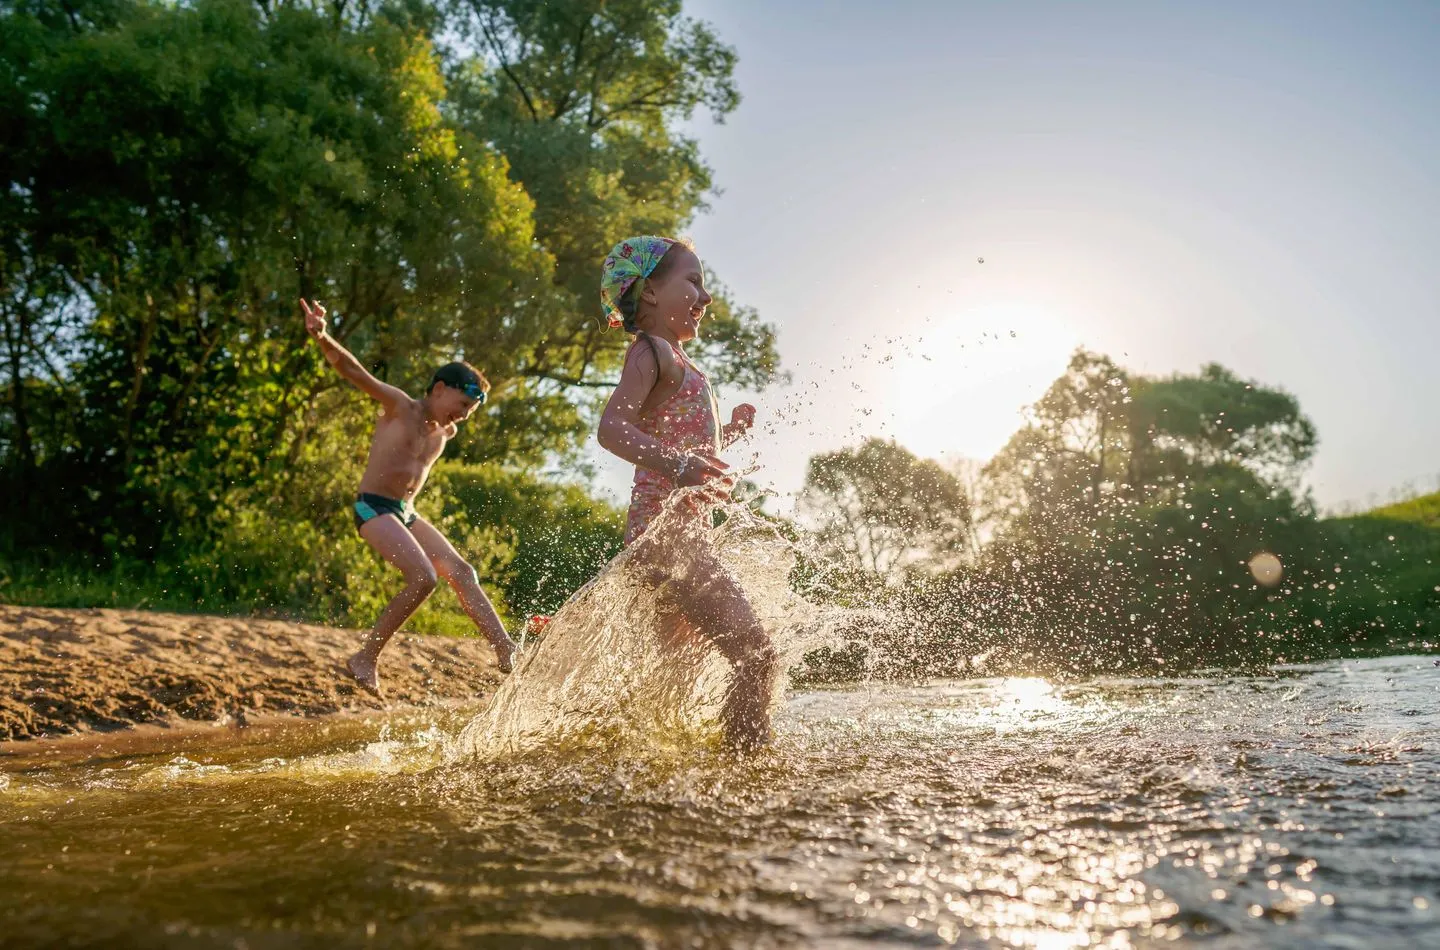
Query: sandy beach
point(66, 672)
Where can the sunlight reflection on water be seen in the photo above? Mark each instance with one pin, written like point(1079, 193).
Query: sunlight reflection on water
point(1292, 810)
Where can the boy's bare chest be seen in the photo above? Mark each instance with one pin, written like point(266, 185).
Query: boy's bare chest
point(409, 438)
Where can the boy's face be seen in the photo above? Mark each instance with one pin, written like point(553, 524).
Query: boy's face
point(451, 406)
point(680, 297)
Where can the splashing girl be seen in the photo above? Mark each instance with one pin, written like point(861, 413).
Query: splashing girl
point(663, 418)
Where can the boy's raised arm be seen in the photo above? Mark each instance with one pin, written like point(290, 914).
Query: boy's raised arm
point(345, 362)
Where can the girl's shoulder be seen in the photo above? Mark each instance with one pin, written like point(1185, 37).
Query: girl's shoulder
point(669, 363)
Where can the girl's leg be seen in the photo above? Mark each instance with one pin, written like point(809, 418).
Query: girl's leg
point(395, 543)
point(714, 604)
point(462, 578)
point(675, 631)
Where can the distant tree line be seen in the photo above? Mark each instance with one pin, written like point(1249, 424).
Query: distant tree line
point(1132, 522)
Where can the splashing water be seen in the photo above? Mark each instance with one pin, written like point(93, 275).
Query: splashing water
point(612, 666)
point(1292, 810)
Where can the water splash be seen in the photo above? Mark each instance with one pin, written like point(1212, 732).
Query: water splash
point(613, 666)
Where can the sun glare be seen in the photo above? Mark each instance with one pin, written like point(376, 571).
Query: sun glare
point(961, 389)
point(1023, 703)
point(1027, 693)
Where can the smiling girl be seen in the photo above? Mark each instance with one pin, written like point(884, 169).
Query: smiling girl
point(663, 418)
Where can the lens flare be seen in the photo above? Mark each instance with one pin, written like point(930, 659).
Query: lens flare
point(1266, 569)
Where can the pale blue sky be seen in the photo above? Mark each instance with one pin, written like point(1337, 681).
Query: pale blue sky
point(1256, 184)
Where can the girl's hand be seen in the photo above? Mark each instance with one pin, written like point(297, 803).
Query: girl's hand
point(697, 469)
point(742, 417)
point(314, 319)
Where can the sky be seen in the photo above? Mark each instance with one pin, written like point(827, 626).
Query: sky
point(1254, 184)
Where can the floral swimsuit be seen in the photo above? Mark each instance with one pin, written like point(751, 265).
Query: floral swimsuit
point(688, 421)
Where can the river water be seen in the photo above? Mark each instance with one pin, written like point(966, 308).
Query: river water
point(1291, 810)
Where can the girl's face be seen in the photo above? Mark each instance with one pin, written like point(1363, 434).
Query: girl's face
point(678, 297)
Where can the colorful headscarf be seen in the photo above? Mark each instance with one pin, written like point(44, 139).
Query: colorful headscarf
point(632, 259)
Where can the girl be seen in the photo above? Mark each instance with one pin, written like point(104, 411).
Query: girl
point(663, 418)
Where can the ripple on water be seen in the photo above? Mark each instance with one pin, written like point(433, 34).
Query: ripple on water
point(1230, 810)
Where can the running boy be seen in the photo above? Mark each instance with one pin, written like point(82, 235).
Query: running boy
point(409, 436)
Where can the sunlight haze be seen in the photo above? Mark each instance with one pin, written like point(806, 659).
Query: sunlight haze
point(1251, 185)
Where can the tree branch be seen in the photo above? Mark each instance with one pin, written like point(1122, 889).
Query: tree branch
point(644, 97)
point(569, 380)
point(571, 88)
point(494, 41)
point(592, 120)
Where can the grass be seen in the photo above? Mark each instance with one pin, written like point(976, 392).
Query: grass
point(120, 586)
point(1391, 570)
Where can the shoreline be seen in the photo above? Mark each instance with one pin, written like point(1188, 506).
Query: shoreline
point(93, 673)
point(218, 741)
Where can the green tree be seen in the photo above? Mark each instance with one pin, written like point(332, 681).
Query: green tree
point(884, 511)
point(1127, 510)
point(586, 99)
point(1181, 424)
point(1069, 459)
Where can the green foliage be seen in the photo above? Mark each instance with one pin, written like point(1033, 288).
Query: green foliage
point(1120, 525)
point(561, 535)
point(178, 174)
point(1387, 575)
point(1214, 419)
point(882, 510)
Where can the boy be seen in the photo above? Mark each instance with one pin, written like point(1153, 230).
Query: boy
point(409, 436)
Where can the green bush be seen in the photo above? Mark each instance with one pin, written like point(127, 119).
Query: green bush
point(532, 540)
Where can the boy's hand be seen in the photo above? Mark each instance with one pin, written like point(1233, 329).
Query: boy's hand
point(315, 324)
point(345, 362)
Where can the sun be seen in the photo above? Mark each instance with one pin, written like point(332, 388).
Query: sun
point(960, 388)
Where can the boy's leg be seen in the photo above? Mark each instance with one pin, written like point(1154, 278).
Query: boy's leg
point(717, 607)
point(461, 576)
point(397, 545)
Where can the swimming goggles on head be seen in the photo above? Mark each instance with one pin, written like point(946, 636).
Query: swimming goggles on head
point(474, 391)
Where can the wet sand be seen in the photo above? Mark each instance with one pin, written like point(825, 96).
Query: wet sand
point(67, 672)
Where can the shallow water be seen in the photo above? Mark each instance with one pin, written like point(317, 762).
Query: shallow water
point(1296, 810)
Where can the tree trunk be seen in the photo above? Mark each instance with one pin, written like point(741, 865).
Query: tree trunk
point(15, 338)
point(1099, 467)
point(142, 353)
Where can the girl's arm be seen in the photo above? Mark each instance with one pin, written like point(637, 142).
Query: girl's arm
point(620, 434)
point(345, 363)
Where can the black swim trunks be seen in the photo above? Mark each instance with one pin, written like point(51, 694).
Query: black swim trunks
point(368, 506)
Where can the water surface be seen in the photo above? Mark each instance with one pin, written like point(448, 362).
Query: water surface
point(1293, 810)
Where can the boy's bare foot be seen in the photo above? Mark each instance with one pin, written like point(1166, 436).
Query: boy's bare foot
point(362, 669)
point(506, 651)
